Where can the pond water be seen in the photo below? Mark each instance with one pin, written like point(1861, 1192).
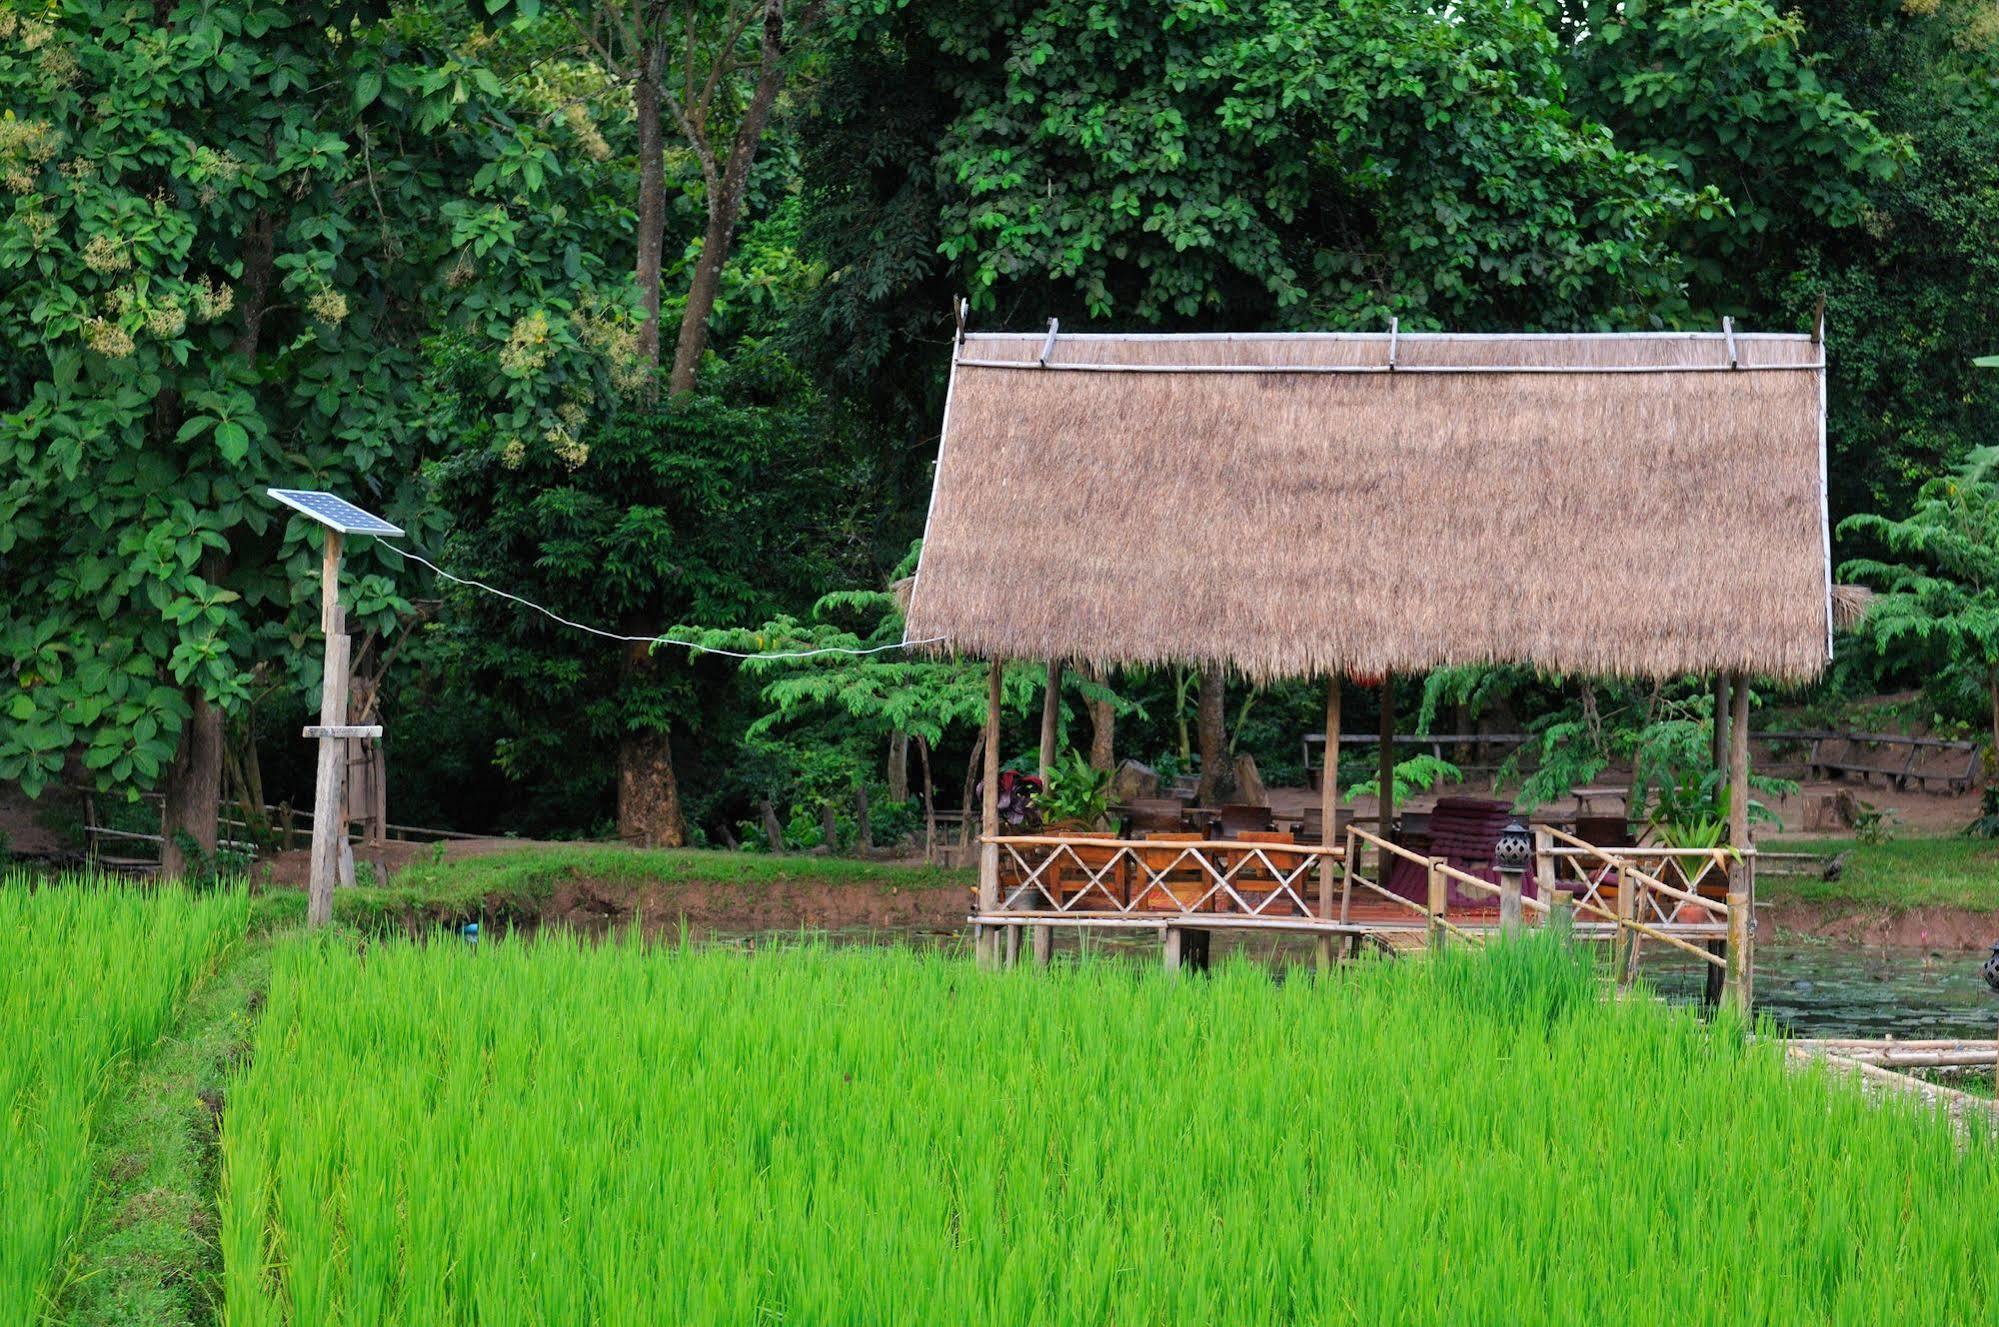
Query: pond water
point(1825, 989)
point(1813, 988)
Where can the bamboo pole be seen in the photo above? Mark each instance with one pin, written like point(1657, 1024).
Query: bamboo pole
point(1329, 802)
point(1386, 772)
point(989, 819)
point(1741, 877)
point(1439, 895)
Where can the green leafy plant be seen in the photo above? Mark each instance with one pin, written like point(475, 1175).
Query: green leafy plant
point(1939, 603)
point(1077, 794)
point(1418, 774)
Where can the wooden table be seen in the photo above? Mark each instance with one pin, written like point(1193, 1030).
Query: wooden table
point(1584, 796)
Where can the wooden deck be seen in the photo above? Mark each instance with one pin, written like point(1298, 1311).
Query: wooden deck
point(1697, 901)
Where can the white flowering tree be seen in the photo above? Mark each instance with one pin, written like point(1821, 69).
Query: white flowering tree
point(250, 244)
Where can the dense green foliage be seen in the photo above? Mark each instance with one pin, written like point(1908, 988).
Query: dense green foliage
point(1940, 600)
point(88, 975)
point(880, 1136)
point(230, 229)
point(391, 249)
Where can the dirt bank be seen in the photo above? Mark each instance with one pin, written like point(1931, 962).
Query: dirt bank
point(1915, 928)
point(705, 908)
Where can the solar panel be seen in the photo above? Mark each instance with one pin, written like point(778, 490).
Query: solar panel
point(333, 511)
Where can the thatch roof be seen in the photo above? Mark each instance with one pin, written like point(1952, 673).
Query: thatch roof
point(1656, 514)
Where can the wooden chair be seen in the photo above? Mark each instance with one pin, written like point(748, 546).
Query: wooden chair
point(1312, 824)
point(1256, 881)
point(1070, 875)
point(1182, 885)
point(1163, 815)
point(1238, 819)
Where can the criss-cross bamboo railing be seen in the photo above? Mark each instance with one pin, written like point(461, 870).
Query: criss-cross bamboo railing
point(1168, 879)
point(1440, 875)
point(1077, 879)
point(1639, 889)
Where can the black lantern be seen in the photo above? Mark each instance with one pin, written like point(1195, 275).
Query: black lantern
point(1515, 848)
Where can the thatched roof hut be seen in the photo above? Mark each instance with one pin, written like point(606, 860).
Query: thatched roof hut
point(1296, 505)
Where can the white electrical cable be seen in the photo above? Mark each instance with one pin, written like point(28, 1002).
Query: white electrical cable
point(656, 640)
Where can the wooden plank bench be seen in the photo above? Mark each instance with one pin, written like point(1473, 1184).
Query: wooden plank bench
point(1895, 758)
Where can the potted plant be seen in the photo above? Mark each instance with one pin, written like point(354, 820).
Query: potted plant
point(1077, 798)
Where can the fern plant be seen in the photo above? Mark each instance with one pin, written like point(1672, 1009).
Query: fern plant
point(1939, 604)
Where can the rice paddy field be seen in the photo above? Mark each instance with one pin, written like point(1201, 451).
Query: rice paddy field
point(552, 1132)
point(89, 975)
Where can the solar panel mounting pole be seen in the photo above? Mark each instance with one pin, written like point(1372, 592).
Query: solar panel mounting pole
point(329, 793)
point(330, 863)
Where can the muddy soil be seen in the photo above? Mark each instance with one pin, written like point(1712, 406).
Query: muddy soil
point(1937, 929)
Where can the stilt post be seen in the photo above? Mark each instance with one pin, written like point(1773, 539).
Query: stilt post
point(1742, 873)
point(1387, 772)
point(989, 820)
point(1329, 802)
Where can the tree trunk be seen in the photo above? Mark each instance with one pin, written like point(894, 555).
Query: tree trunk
point(898, 766)
point(1051, 719)
point(1210, 730)
point(773, 831)
point(971, 787)
point(1721, 722)
point(648, 793)
point(1103, 724)
point(829, 826)
point(652, 204)
point(193, 789)
point(1180, 678)
point(1992, 682)
point(929, 802)
point(864, 831)
point(725, 206)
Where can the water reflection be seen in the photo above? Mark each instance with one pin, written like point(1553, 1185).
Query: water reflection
point(1824, 989)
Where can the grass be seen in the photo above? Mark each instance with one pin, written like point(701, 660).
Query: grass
point(1901, 874)
point(149, 1253)
point(89, 976)
point(553, 1132)
point(516, 882)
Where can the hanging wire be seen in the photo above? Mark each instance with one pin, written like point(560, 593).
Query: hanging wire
point(414, 556)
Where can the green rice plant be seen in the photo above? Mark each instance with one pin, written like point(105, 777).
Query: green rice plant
point(547, 1132)
point(89, 973)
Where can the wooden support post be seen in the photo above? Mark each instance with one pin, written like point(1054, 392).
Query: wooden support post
point(989, 819)
point(1386, 775)
point(1170, 950)
point(1620, 941)
point(1044, 945)
point(1012, 945)
point(1544, 869)
point(1347, 866)
point(329, 810)
point(1439, 898)
point(1329, 802)
point(1509, 900)
point(1051, 716)
point(1742, 873)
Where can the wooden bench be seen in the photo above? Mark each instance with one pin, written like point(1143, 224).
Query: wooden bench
point(1894, 758)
